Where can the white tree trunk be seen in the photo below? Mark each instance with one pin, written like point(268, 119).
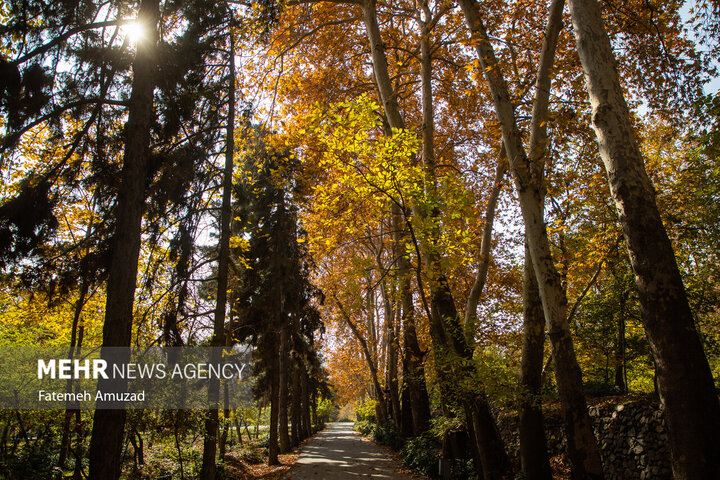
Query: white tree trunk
point(685, 381)
point(582, 445)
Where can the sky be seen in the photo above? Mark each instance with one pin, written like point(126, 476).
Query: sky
point(714, 85)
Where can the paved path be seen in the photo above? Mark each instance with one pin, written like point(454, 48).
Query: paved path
point(340, 453)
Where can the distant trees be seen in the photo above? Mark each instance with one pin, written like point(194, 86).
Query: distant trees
point(409, 73)
point(274, 302)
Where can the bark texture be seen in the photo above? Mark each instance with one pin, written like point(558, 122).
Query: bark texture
point(582, 445)
point(109, 425)
point(218, 340)
point(534, 458)
point(414, 357)
point(685, 382)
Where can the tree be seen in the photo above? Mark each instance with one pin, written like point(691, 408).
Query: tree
point(108, 425)
point(685, 382)
point(274, 295)
point(582, 446)
point(218, 337)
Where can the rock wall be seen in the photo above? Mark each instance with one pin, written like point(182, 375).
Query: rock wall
point(631, 436)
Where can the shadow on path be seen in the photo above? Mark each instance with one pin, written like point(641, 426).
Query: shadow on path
point(340, 453)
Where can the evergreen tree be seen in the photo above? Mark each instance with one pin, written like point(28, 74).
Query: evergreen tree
point(274, 296)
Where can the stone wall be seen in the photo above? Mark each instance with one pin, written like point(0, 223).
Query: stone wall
point(631, 436)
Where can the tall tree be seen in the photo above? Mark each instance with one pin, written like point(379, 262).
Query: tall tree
point(218, 337)
point(108, 425)
point(582, 445)
point(685, 382)
point(531, 430)
point(449, 342)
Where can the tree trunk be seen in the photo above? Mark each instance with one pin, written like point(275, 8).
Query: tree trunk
point(494, 462)
point(238, 429)
point(534, 458)
point(138, 448)
point(413, 361)
point(685, 382)
point(296, 404)
point(69, 410)
point(211, 422)
point(226, 425)
point(109, 425)
point(274, 408)
point(78, 473)
point(380, 66)
point(582, 445)
point(470, 321)
point(305, 426)
point(620, 374)
point(284, 396)
point(406, 418)
point(391, 378)
point(382, 407)
point(258, 419)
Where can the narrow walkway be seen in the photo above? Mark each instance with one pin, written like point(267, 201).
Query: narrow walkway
point(340, 453)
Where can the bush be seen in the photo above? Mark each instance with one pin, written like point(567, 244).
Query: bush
point(464, 469)
point(366, 411)
point(388, 434)
point(421, 454)
point(38, 465)
point(600, 389)
point(252, 456)
point(365, 428)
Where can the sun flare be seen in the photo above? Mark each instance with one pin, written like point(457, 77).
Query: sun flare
point(134, 31)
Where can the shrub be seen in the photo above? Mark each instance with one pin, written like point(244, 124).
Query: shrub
point(365, 428)
point(38, 465)
point(421, 454)
point(252, 456)
point(464, 469)
point(366, 411)
point(388, 434)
